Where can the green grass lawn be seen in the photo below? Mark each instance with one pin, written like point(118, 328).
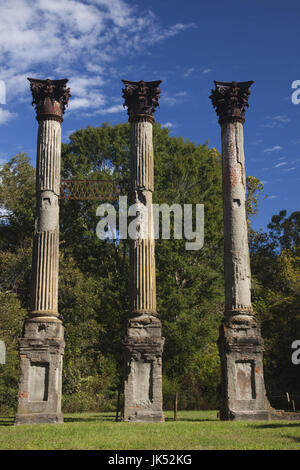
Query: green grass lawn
point(194, 430)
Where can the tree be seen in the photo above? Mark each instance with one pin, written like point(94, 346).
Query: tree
point(12, 316)
point(276, 290)
point(17, 201)
point(254, 190)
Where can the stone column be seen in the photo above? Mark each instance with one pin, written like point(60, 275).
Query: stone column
point(240, 343)
point(42, 342)
point(143, 343)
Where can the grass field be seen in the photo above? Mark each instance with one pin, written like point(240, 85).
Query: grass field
point(194, 430)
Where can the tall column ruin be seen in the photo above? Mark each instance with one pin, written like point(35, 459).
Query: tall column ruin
point(143, 343)
point(240, 342)
point(42, 342)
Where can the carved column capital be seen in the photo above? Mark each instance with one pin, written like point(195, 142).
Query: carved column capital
point(50, 98)
point(141, 98)
point(230, 99)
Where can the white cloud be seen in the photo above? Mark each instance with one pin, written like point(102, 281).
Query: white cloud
point(170, 100)
point(188, 72)
point(289, 169)
point(86, 93)
point(168, 124)
point(81, 85)
point(66, 135)
point(256, 142)
point(61, 38)
point(272, 197)
point(159, 35)
point(281, 118)
point(6, 116)
point(118, 108)
point(92, 100)
point(276, 121)
point(206, 70)
point(276, 148)
point(280, 164)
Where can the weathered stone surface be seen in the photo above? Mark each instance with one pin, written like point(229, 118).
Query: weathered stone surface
point(50, 98)
point(241, 351)
point(240, 343)
point(231, 100)
point(42, 342)
point(41, 352)
point(141, 97)
point(143, 344)
point(236, 252)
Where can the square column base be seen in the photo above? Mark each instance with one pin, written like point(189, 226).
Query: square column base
point(143, 416)
point(143, 347)
point(241, 351)
point(39, 418)
point(41, 354)
point(258, 415)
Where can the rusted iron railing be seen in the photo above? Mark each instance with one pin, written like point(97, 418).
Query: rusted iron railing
point(93, 190)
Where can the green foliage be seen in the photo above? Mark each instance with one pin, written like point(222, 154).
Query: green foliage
point(276, 299)
point(15, 272)
point(17, 197)
point(254, 190)
point(12, 316)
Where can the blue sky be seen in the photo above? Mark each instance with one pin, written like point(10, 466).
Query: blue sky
point(187, 44)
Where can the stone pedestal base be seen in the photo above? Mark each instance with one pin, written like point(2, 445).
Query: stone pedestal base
point(41, 353)
point(241, 351)
point(143, 370)
point(248, 416)
point(39, 418)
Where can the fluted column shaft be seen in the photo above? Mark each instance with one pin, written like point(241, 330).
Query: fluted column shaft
point(46, 236)
point(42, 343)
point(143, 283)
point(143, 343)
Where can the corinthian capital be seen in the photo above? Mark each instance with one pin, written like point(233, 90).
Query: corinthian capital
point(230, 99)
point(50, 97)
point(141, 97)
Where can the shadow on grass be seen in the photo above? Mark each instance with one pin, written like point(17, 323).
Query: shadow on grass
point(112, 418)
point(293, 438)
point(7, 420)
point(277, 425)
point(194, 420)
point(77, 419)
